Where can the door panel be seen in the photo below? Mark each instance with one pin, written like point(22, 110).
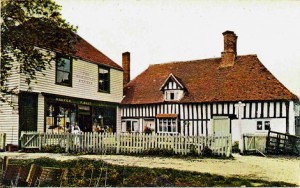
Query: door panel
point(28, 111)
point(221, 125)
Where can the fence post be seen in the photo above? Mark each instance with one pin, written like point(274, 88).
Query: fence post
point(40, 141)
point(229, 147)
point(118, 143)
point(68, 141)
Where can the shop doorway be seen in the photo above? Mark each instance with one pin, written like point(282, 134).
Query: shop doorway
point(28, 112)
point(85, 122)
point(85, 118)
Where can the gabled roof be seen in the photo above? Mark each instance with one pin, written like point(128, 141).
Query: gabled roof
point(205, 81)
point(173, 78)
point(87, 52)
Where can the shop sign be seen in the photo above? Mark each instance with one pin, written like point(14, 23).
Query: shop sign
point(81, 102)
point(63, 100)
point(85, 103)
point(85, 78)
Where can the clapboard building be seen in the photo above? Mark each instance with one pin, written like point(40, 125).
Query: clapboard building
point(83, 89)
point(232, 94)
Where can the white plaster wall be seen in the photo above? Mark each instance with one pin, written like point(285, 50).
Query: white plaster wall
point(250, 126)
point(292, 126)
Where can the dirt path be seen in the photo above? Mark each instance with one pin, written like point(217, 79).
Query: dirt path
point(270, 169)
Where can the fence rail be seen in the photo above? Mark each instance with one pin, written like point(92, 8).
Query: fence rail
point(2, 141)
point(127, 142)
point(282, 144)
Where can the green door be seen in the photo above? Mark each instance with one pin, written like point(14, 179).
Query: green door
point(28, 112)
point(221, 125)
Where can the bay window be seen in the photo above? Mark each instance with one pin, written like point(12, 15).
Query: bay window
point(168, 125)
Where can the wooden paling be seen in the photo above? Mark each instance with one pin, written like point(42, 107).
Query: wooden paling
point(128, 142)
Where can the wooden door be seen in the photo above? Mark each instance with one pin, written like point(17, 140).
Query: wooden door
point(28, 111)
point(221, 125)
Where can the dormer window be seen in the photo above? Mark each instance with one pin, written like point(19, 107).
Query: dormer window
point(173, 90)
point(173, 95)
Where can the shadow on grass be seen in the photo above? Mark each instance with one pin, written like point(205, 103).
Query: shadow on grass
point(91, 173)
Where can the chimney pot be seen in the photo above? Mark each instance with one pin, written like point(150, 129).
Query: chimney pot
point(229, 54)
point(126, 67)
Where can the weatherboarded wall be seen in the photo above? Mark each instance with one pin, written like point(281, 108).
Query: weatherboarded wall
point(84, 83)
point(9, 118)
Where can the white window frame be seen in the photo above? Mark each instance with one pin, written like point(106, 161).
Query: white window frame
point(164, 123)
point(168, 95)
point(132, 125)
point(263, 126)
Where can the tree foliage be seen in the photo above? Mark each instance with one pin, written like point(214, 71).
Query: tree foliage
point(27, 26)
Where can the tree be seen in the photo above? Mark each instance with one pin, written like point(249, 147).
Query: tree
point(27, 26)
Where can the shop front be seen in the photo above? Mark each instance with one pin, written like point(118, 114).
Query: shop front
point(68, 114)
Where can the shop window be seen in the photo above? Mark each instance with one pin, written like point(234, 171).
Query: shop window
point(60, 117)
point(104, 119)
point(130, 126)
point(64, 71)
point(167, 126)
point(104, 81)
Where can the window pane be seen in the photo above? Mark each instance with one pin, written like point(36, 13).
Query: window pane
point(59, 76)
point(63, 77)
point(64, 64)
point(172, 96)
point(103, 79)
point(174, 129)
point(135, 126)
point(259, 125)
point(123, 126)
point(267, 125)
point(128, 126)
point(63, 71)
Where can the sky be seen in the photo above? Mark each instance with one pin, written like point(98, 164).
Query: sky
point(163, 31)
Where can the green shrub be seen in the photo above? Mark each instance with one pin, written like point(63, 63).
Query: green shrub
point(235, 147)
point(53, 149)
point(207, 152)
point(193, 151)
point(159, 152)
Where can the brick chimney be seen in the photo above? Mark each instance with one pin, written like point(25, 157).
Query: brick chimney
point(126, 67)
point(229, 54)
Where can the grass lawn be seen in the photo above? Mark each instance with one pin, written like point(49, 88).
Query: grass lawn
point(87, 173)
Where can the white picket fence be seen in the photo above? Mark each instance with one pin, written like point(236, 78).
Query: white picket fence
point(127, 142)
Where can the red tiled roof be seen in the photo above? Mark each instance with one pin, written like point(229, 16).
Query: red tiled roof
point(205, 81)
point(87, 52)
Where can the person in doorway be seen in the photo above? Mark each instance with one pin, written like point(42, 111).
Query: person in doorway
point(75, 129)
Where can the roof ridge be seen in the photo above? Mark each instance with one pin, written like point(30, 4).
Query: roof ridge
point(196, 60)
point(98, 51)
